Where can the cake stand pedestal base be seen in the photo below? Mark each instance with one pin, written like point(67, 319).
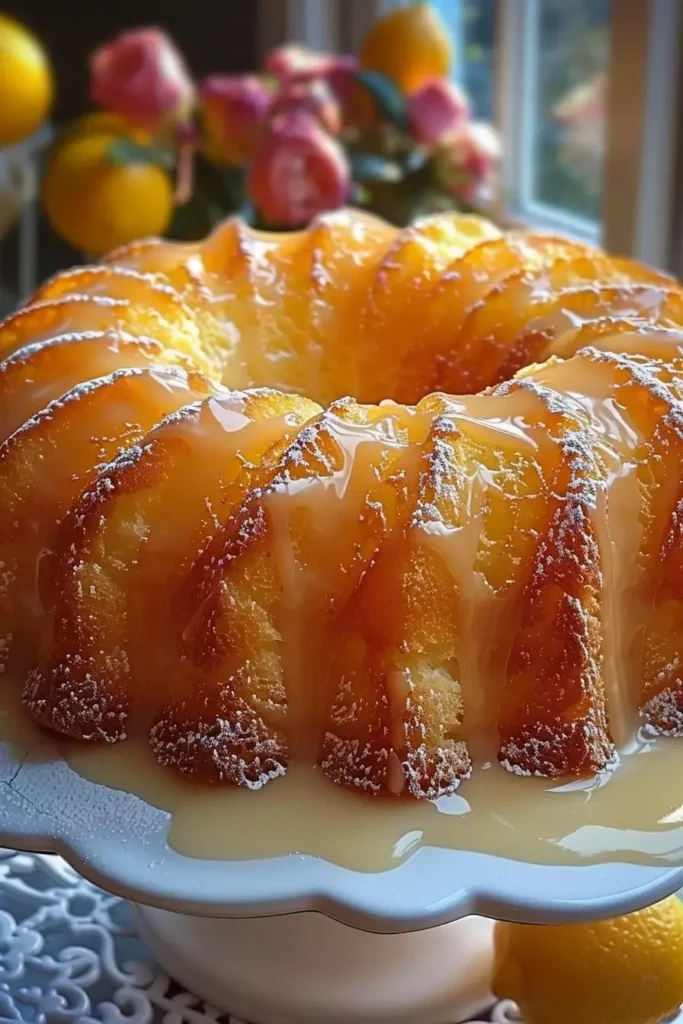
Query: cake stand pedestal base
point(305, 968)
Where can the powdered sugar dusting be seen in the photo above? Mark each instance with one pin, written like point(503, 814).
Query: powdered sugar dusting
point(100, 275)
point(237, 749)
point(576, 462)
point(80, 391)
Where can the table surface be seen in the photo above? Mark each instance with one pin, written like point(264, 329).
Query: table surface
point(70, 952)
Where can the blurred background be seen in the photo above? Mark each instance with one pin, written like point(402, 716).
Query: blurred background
point(128, 119)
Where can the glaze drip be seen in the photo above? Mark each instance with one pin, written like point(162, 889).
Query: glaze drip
point(398, 593)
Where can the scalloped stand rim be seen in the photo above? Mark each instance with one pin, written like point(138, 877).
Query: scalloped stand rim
point(120, 842)
point(305, 968)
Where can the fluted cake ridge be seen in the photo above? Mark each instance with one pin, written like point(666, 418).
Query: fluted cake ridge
point(205, 540)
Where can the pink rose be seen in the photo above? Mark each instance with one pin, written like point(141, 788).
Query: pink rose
point(314, 97)
point(466, 162)
point(142, 77)
point(300, 63)
point(294, 63)
point(435, 110)
point(297, 171)
point(233, 108)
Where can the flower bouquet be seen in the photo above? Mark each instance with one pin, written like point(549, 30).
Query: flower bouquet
point(387, 131)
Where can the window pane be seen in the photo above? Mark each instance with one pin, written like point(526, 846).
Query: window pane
point(570, 53)
point(471, 23)
point(478, 26)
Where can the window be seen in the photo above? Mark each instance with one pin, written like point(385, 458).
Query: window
point(567, 65)
point(472, 25)
point(552, 88)
point(557, 56)
point(585, 94)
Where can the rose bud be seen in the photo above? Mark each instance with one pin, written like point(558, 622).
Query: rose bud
point(142, 77)
point(233, 108)
point(294, 61)
point(466, 161)
point(297, 171)
point(315, 98)
point(435, 110)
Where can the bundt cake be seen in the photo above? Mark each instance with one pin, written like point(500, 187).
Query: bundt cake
point(203, 540)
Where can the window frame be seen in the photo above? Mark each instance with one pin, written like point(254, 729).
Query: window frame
point(515, 77)
point(315, 23)
point(644, 130)
point(643, 133)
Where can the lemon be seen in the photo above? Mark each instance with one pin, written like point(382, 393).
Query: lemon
point(26, 88)
point(96, 204)
point(628, 970)
point(408, 45)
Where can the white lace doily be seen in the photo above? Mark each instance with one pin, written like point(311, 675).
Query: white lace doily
point(70, 952)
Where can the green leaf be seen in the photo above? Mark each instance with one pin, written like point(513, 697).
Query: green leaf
point(388, 98)
point(224, 184)
point(191, 221)
point(126, 151)
point(372, 167)
point(217, 193)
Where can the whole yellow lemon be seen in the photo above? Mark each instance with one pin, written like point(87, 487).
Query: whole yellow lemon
point(628, 970)
point(408, 45)
point(97, 204)
point(26, 88)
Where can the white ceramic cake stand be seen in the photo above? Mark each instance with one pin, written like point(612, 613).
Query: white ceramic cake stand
point(411, 945)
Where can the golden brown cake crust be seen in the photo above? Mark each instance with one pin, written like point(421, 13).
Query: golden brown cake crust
point(397, 592)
